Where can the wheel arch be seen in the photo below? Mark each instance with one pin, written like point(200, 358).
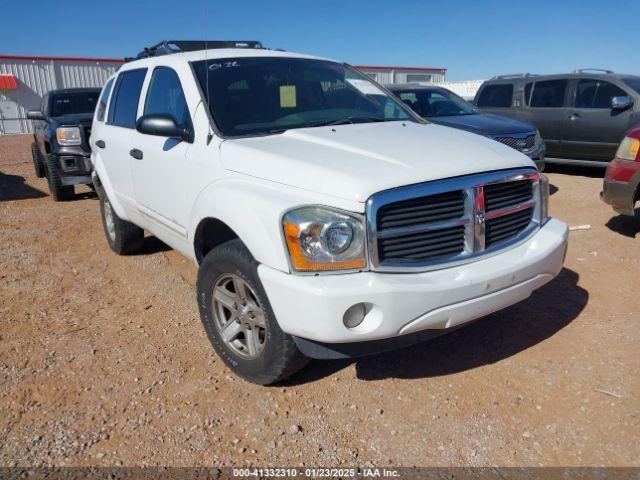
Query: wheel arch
point(210, 233)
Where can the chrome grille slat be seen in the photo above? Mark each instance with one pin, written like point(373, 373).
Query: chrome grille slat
point(451, 221)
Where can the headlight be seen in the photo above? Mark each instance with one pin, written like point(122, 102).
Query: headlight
point(538, 139)
point(544, 198)
point(68, 136)
point(320, 239)
point(629, 149)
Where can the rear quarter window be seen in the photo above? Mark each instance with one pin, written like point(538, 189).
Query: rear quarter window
point(102, 103)
point(124, 102)
point(496, 96)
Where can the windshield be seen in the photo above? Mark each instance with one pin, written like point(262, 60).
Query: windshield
point(633, 83)
point(435, 102)
point(76, 102)
point(262, 95)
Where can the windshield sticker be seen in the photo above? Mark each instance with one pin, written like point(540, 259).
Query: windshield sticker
point(288, 96)
point(365, 87)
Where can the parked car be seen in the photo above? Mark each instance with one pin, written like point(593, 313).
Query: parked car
point(621, 188)
point(582, 116)
point(328, 220)
point(441, 106)
point(60, 147)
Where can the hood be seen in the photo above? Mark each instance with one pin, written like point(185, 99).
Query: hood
point(485, 123)
point(355, 161)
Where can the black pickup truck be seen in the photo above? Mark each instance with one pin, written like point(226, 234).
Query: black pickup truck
point(61, 148)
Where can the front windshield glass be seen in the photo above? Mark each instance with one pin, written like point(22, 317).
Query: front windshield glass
point(435, 102)
point(262, 95)
point(72, 103)
point(633, 83)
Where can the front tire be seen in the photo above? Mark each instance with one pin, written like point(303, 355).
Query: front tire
point(58, 191)
point(123, 237)
point(38, 164)
point(238, 318)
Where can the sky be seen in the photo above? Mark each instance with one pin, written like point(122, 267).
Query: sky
point(472, 39)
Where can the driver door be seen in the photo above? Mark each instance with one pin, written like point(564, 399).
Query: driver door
point(158, 163)
point(593, 129)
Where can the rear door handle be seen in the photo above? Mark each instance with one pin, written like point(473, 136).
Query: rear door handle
point(100, 144)
point(573, 117)
point(135, 153)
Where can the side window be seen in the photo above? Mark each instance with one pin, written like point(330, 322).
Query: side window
point(496, 96)
point(165, 96)
point(606, 91)
point(585, 93)
point(548, 94)
point(102, 104)
point(124, 101)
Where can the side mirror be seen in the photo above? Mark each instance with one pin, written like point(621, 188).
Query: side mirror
point(163, 125)
point(35, 115)
point(621, 103)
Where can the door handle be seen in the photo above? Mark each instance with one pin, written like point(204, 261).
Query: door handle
point(135, 153)
point(573, 117)
point(100, 143)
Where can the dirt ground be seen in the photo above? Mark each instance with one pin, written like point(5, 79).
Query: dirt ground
point(103, 360)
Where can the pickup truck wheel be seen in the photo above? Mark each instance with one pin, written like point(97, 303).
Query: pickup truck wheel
point(123, 237)
point(38, 165)
point(58, 191)
point(238, 318)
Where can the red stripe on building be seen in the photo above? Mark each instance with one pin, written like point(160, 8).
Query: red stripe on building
point(411, 69)
point(63, 59)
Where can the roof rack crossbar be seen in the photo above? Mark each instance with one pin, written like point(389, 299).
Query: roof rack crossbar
point(167, 47)
point(583, 70)
point(514, 75)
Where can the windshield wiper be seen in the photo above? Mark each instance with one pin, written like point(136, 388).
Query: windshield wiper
point(346, 120)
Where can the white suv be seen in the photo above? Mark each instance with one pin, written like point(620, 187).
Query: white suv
point(327, 219)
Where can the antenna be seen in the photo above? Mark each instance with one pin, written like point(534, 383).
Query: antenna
point(206, 65)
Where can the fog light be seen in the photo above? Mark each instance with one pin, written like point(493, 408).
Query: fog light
point(354, 315)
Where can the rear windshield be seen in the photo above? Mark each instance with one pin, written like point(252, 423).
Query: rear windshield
point(269, 95)
point(633, 83)
point(75, 102)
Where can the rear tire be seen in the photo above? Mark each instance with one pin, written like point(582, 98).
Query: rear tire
point(38, 164)
point(240, 317)
point(58, 191)
point(123, 237)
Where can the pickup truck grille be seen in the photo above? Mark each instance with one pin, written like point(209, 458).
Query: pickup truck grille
point(519, 142)
point(449, 221)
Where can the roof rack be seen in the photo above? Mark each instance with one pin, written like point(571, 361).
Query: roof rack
point(167, 47)
point(583, 70)
point(514, 75)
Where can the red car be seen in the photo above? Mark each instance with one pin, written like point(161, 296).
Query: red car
point(621, 187)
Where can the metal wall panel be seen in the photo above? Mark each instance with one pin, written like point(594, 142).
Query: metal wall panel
point(387, 76)
point(37, 76)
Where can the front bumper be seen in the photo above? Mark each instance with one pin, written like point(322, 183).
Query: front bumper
point(312, 307)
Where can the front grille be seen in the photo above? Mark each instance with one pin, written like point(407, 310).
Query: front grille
point(418, 211)
point(508, 194)
point(503, 228)
point(519, 143)
point(449, 220)
point(423, 246)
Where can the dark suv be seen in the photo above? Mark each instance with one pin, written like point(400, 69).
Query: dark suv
point(61, 150)
point(582, 116)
